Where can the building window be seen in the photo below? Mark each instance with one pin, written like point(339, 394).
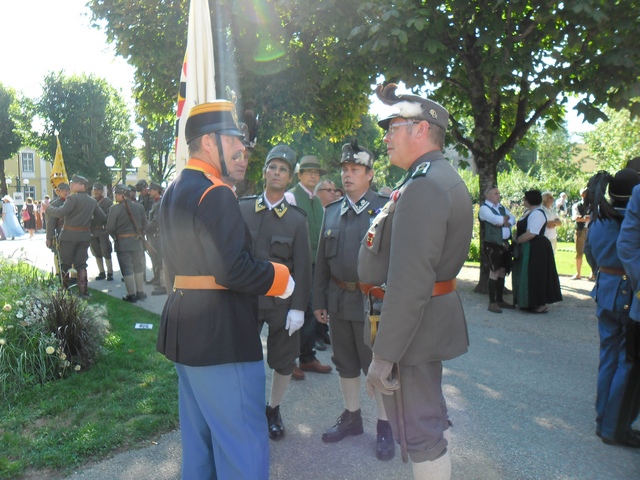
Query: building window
point(30, 191)
point(27, 162)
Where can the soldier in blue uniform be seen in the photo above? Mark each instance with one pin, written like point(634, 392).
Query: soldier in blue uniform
point(613, 293)
point(209, 324)
point(280, 234)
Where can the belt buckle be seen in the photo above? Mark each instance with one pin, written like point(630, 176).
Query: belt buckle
point(350, 286)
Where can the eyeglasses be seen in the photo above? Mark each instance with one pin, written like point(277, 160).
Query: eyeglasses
point(392, 128)
point(330, 190)
point(276, 168)
point(311, 171)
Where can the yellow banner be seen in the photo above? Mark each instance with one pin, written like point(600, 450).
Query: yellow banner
point(58, 172)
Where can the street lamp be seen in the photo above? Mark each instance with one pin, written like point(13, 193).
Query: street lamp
point(110, 162)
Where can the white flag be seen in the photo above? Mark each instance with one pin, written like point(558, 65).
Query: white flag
point(197, 79)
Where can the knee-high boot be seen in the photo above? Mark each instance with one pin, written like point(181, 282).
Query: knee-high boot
point(83, 281)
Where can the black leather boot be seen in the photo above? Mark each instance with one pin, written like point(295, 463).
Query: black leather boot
point(385, 445)
point(276, 427)
point(349, 423)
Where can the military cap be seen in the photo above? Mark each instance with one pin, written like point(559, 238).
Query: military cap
point(354, 153)
point(621, 186)
point(155, 186)
point(411, 107)
point(216, 116)
point(282, 152)
point(121, 189)
point(141, 185)
point(80, 179)
point(63, 186)
point(98, 186)
point(310, 162)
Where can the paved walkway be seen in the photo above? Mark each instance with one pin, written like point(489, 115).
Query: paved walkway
point(521, 401)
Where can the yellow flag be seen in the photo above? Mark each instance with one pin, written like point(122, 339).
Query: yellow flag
point(58, 172)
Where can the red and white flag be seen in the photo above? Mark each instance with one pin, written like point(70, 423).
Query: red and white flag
point(197, 79)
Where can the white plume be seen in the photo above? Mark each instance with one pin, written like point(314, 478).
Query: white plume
point(409, 109)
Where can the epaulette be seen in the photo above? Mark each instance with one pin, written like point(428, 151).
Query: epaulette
point(248, 197)
point(382, 195)
point(421, 170)
point(295, 207)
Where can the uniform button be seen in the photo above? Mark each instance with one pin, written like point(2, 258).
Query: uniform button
point(626, 307)
point(624, 292)
point(624, 277)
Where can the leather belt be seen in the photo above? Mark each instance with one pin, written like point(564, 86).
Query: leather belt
point(439, 288)
point(196, 282)
point(128, 235)
point(348, 286)
point(613, 271)
point(76, 229)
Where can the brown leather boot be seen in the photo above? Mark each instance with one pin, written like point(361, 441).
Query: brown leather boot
point(83, 281)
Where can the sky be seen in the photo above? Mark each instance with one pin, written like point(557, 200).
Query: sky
point(42, 36)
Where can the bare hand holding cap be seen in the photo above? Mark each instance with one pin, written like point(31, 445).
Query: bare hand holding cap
point(379, 377)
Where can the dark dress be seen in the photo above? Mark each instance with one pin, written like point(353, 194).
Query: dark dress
point(31, 223)
point(535, 278)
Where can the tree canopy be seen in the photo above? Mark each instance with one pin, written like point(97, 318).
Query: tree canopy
point(92, 121)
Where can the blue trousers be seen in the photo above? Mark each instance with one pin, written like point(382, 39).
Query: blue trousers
point(613, 372)
point(223, 423)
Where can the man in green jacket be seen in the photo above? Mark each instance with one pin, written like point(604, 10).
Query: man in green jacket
point(309, 172)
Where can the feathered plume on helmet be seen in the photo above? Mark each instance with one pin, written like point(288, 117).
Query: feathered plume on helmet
point(249, 127)
point(411, 106)
point(354, 153)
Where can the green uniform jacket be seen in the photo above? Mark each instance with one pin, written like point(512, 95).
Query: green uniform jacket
point(314, 211)
point(119, 223)
point(79, 211)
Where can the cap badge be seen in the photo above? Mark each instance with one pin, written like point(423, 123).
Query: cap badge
point(433, 113)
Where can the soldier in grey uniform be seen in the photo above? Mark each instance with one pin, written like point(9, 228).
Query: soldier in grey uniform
point(153, 235)
point(54, 225)
point(337, 296)
point(415, 249)
point(280, 233)
point(79, 211)
point(128, 242)
point(100, 242)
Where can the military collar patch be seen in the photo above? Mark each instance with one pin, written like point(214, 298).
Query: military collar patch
point(358, 207)
point(260, 204)
point(280, 210)
point(421, 170)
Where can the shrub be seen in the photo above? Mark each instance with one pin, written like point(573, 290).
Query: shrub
point(45, 332)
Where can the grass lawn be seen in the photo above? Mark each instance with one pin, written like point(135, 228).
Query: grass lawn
point(565, 261)
point(129, 396)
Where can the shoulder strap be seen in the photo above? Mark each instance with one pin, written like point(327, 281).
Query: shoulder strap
point(216, 183)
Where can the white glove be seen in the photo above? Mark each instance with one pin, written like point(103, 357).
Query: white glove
point(289, 290)
point(295, 319)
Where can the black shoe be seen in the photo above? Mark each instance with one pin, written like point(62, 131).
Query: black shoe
point(349, 423)
point(276, 427)
point(320, 345)
point(109, 277)
point(629, 440)
point(385, 445)
point(141, 295)
point(159, 291)
point(101, 276)
point(130, 298)
point(150, 282)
